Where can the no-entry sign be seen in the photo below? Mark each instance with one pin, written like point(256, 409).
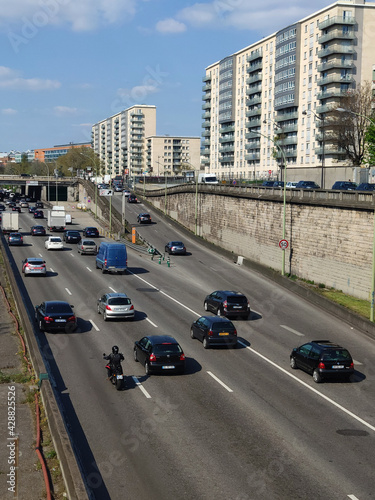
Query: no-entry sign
point(283, 244)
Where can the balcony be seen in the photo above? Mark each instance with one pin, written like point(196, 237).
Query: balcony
point(206, 142)
point(337, 35)
point(252, 156)
point(254, 122)
point(254, 78)
point(206, 87)
point(256, 54)
point(335, 78)
point(207, 114)
point(206, 96)
point(335, 63)
point(253, 101)
point(206, 78)
point(336, 48)
point(330, 150)
point(226, 158)
point(206, 105)
point(254, 67)
point(227, 138)
point(228, 128)
point(334, 92)
point(336, 20)
point(206, 133)
point(254, 112)
point(255, 89)
point(252, 135)
point(254, 144)
point(206, 124)
point(226, 149)
point(287, 140)
point(286, 116)
point(292, 127)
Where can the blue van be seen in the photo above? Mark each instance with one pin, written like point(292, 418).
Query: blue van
point(112, 257)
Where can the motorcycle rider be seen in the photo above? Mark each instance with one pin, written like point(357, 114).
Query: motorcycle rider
point(114, 359)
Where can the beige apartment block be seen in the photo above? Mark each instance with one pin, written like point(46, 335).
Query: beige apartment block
point(120, 140)
point(264, 107)
point(168, 155)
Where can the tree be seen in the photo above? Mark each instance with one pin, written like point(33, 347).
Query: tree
point(370, 140)
point(349, 128)
point(79, 159)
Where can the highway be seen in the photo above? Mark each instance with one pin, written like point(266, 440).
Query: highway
point(240, 424)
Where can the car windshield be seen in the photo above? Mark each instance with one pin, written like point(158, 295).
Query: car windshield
point(177, 244)
point(166, 349)
point(55, 240)
point(36, 262)
point(336, 355)
point(237, 299)
point(88, 242)
point(58, 308)
point(223, 327)
point(119, 301)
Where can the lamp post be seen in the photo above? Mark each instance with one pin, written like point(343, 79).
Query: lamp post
point(321, 118)
point(343, 110)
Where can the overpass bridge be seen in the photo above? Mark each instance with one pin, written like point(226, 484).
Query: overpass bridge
point(46, 188)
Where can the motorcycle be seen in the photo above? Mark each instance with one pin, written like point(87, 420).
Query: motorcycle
point(116, 375)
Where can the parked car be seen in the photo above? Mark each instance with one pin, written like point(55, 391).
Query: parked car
point(132, 198)
point(175, 248)
point(365, 186)
point(55, 315)
point(307, 185)
point(72, 236)
point(344, 185)
point(227, 303)
point(291, 184)
point(15, 239)
point(34, 265)
point(54, 243)
point(37, 231)
point(268, 183)
point(87, 247)
point(91, 232)
point(38, 214)
point(323, 359)
point(115, 305)
point(144, 219)
point(214, 330)
point(159, 353)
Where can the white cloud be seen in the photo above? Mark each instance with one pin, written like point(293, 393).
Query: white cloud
point(9, 111)
point(170, 26)
point(64, 111)
point(139, 92)
point(30, 15)
point(10, 79)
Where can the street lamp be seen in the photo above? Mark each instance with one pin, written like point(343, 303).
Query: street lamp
point(321, 118)
point(343, 110)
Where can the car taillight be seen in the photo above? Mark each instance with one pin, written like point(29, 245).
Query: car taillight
point(131, 307)
point(48, 319)
point(27, 265)
point(225, 304)
point(322, 366)
point(182, 357)
point(72, 318)
point(108, 308)
point(235, 332)
point(210, 333)
point(352, 365)
point(105, 262)
point(152, 357)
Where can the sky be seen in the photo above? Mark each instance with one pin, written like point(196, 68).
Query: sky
point(67, 64)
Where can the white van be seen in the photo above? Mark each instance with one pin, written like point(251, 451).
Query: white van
point(207, 179)
point(68, 219)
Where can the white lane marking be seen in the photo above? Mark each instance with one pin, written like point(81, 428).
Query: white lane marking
point(352, 497)
point(40, 255)
point(331, 401)
point(72, 255)
point(113, 290)
point(137, 382)
point(88, 269)
point(153, 324)
point(293, 331)
point(357, 362)
point(94, 325)
point(52, 270)
point(220, 382)
point(68, 291)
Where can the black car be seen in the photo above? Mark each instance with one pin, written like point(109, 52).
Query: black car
point(227, 303)
point(2, 207)
point(160, 353)
point(132, 198)
point(32, 209)
point(144, 219)
point(213, 330)
point(268, 183)
point(91, 232)
point(39, 204)
point(307, 185)
point(344, 185)
point(365, 186)
point(72, 236)
point(55, 315)
point(38, 214)
point(16, 209)
point(323, 359)
point(175, 248)
point(38, 231)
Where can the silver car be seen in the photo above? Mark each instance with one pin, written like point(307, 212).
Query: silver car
point(34, 265)
point(115, 305)
point(87, 247)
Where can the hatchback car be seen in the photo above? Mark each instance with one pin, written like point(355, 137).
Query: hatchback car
point(115, 305)
point(323, 359)
point(159, 353)
point(15, 239)
point(213, 330)
point(291, 184)
point(87, 247)
point(307, 185)
point(72, 236)
point(24, 204)
point(32, 209)
point(16, 209)
point(175, 248)
point(38, 231)
point(91, 232)
point(227, 303)
point(34, 265)
point(39, 204)
point(54, 243)
point(365, 186)
point(344, 185)
point(144, 219)
point(132, 198)
point(55, 315)
point(38, 214)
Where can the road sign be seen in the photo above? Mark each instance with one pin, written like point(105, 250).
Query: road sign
point(283, 244)
point(269, 172)
point(105, 192)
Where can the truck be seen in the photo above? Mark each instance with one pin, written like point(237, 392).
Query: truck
point(56, 219)
point(207, 179)
point(10, 222)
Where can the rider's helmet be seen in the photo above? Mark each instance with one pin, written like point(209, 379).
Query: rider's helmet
point(115, 349)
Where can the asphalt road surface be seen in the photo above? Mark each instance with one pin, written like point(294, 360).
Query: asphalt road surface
point(240, 423)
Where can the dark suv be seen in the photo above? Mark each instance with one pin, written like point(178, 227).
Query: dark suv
point(211, 330)
point(227, 303)
point(323, 359)
point(365, 186)
point(307, 185)
point(72, 236)
point(345, 185)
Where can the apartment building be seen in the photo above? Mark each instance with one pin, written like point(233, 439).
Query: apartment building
point(168, 155)
point(120, 140)
point(51, 154)
point(264, 107)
